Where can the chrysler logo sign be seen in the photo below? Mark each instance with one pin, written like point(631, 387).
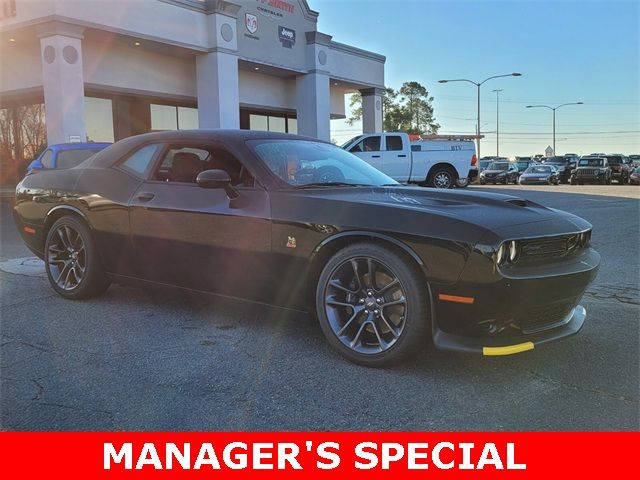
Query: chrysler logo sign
point(287, 36)
point(251, 22)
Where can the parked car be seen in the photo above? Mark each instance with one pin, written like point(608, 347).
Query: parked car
point(296, 222)
point(539, 175)
point(523, 163)
point(635, 160)
point(438, 161)
point(484, 162)
point(592, 170)
point(65, 155)
point(573, 159)
point(563, 165)
point(500, 171)
point(634, 178)
point(620, 170)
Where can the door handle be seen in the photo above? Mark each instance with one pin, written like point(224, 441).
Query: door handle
point(375, 156)
point(145, 196)
point(403, 156)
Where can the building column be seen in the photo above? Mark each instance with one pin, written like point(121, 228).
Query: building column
point(313, 104)
point(372, 110)
point(217, 71)
point(63, 82)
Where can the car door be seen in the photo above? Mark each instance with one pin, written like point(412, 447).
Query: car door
point(199, 238)
point(369, 149)
point(512, 173)
point(395, 162)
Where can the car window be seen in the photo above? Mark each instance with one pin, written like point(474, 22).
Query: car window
point(369, 144)
point(591, 162)
point(72, 158)
point(139, 161)
point(182, 164)
point(46, 159)
point(394, 143)
point(301, 162)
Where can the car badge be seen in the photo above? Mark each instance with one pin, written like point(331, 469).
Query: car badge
point(291, 242)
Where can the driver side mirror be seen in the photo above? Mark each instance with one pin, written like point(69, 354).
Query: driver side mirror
point(217, 179)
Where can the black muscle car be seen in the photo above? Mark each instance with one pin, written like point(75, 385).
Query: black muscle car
point(299, 223)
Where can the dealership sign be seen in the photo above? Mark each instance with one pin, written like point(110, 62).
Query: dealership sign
point(287, 36)
point(251, 22)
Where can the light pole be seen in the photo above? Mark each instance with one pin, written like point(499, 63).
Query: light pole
point(554, 117)
point(497, 121)
point(479, 84)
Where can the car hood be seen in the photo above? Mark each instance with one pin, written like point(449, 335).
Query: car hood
point(432, 212)
point(492, 172)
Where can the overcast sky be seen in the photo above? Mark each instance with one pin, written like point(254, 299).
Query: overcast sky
point(567, 51)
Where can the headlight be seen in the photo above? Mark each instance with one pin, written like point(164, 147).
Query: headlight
point(501, 254)
point(585, 238)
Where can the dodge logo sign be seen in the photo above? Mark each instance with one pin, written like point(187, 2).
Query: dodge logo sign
point(287, 36)
point(251, 22)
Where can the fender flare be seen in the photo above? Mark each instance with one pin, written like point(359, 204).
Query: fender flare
point(69, 208)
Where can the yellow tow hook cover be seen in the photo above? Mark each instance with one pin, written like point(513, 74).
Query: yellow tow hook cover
point(508, 350)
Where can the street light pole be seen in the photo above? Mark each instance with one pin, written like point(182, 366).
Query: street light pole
point(479, 84)
point(497, 122)
point(554, 117)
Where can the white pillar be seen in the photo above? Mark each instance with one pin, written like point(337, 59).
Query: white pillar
point(63, 83)
point(218, 91)
point(313, 105)
point(372, 110)
point(217, 71)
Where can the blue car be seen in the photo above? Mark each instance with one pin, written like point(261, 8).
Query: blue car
point(65, 155)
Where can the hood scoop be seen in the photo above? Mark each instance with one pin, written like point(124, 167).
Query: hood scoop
point(520, 202)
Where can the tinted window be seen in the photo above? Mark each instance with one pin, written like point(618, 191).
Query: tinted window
point(369, 144)
point(591, 162)
point(394, 143)
point(71, 158)
point(46, 159)
point(498, 166)
point(615, 160)
point(300, 162)
point(140, 160)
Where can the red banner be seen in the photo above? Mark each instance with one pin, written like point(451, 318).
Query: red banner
point(317, 455)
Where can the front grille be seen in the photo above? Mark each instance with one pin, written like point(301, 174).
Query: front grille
point(551, 247)
point(587, 172)
point(544, 317)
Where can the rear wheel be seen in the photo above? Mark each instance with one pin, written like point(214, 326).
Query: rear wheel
point(372, 305)
point(72, 262)
point(441, 177)
point(462, 183)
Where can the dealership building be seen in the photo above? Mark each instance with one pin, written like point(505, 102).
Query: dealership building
point(102, 70)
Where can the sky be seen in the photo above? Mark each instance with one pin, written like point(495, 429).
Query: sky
point(567, 51)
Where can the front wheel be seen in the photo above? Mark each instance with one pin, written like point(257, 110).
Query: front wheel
point(72, 263)
point(442, 177)
point(372, 305)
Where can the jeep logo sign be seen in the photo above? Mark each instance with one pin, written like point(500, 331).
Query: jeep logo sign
point(287, 36)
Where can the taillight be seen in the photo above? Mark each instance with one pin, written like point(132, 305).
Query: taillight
point(474, 160)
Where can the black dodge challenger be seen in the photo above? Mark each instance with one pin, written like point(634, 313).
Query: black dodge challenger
point(298, 223)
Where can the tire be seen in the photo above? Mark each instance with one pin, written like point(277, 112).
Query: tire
point(482, 182)
point(72, 263)
point(390, 318)
point(462, 183)
point(572, 181)
point(442, 177)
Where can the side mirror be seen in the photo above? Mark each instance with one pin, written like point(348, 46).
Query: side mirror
point(217, 179)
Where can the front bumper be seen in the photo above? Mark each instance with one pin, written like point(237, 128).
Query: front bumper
point(534, 181)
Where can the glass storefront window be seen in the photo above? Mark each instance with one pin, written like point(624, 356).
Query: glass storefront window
point(259, 122)
point(99, 117)
point(187, 118)
point(292, 125)
point(277, 124)
point(163, 117)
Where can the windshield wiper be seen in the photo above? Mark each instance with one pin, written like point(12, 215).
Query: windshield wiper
point(330, 184)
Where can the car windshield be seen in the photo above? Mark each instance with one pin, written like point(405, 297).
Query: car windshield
point(71, 158)
point(556, 160)
point(615, 160)
point(350, 141)
point(307, 163)
point(498, 166)
point(591, 162)
point(522, 164)
point(538, 169)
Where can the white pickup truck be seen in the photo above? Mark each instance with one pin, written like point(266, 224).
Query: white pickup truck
point(439, 161)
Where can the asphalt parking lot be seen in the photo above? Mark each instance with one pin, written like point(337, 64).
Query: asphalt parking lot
point(148, 360)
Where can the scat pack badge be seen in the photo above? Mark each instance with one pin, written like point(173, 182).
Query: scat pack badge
point(291, 242)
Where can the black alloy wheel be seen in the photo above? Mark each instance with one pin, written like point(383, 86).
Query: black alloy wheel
point(371, 304)
point(73, 268)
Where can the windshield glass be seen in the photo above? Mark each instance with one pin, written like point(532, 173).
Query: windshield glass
point(614, 160)
point(498, 166)
point(522, 164)
point(591, 162)
point(301, 162)
point(556, 160)
point(539, 169)
point(71, 158)
point(350, 141)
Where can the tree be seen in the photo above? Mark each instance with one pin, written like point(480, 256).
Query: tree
point(409, 109)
